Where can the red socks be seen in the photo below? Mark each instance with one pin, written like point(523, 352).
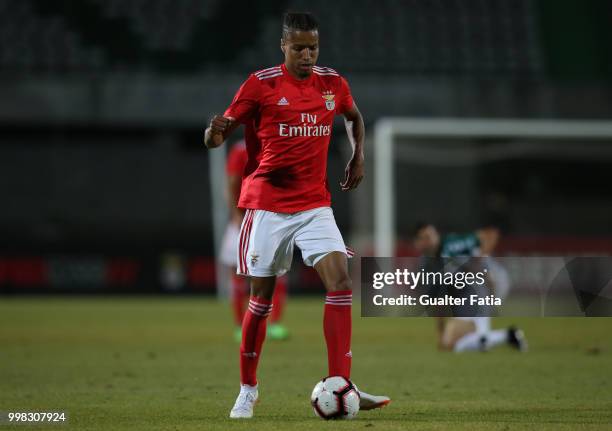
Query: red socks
point(337, 329)
point(278, 299)
point(253, 336)
point(239, 296)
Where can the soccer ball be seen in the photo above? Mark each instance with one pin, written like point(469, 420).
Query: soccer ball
point(335, 398)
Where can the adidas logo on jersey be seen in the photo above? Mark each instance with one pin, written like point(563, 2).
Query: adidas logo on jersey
point(283, 102)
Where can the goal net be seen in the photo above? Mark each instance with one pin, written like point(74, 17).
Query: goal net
point(465, 172)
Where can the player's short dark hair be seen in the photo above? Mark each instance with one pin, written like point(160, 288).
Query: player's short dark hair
point(304, 21)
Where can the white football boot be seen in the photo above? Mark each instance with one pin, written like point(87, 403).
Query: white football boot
point(247, 398)
point(371, 402)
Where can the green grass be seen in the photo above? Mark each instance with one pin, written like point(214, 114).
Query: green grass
point(172, 364)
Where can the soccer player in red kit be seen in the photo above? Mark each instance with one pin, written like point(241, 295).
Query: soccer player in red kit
point(288, 111)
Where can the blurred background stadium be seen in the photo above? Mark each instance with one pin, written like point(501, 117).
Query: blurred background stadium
point(105, 185)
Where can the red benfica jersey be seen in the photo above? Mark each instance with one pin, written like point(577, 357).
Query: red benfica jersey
point(288, 125)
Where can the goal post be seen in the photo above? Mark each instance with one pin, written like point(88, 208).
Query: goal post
point(388, 130)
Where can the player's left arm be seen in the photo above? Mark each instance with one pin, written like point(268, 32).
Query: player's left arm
point(355, 128)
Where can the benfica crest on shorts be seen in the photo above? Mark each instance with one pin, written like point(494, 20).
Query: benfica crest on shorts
point(330, 104)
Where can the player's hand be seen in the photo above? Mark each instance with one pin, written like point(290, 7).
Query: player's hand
point(219, 124)
point(353, 174)
point(218, 129)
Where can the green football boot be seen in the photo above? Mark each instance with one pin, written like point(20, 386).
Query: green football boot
point(238, 334)
point(276, 331)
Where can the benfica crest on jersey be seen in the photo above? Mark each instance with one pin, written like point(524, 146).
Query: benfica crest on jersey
point(330, 104)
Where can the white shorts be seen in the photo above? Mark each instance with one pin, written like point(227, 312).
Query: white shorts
point(267, 239)
point(229, 245)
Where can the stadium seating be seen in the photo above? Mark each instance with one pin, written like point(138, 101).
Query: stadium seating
point(471, 38)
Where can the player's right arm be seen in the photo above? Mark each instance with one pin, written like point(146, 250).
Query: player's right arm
point(242, 108)
point(219, 129)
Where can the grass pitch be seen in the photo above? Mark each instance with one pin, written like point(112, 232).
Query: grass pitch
point(172, 364)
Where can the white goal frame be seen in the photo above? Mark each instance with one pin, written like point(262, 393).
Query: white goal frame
point(386, 130)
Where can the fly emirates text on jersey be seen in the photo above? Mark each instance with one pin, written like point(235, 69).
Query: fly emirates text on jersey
point(308, 127)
